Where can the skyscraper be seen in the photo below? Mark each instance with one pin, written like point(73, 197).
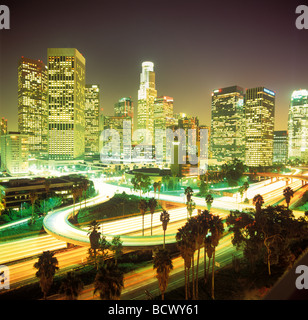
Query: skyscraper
point(228, 124)
point(259, 115)
point(32, 105)
point(163, 112)
point(146, 97)
point(124, 108)
point(280, 151)
point(92, 129)
point(15, 153)
point(298, 125)
point(66, 103)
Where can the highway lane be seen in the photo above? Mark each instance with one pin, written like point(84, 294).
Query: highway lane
point(137, 281)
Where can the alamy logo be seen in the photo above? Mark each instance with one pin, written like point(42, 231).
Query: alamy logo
point(302, 20)
point(4, 277)
point(4, 17)
point(302, 280)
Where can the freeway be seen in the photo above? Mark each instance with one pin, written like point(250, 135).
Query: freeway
point(57, 224)
point(137, 281)
point(23, 271)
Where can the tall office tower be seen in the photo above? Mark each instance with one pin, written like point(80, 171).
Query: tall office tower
point(227, 124)
point(259, 115)
point(66, 102)
point(163, 112)
point(3, 126)
point(119, 146)
point(298, 125)
point(146, 97)
point(92, 129)
point(32, 105)
point(280, 150)
point(15, 153)
point(124, 108)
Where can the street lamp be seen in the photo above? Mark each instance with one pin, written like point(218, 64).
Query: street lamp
point(164, 218)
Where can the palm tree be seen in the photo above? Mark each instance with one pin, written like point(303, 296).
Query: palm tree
point(245, 187)
point(163, 264)
point(209, 200)
point(71, 286)
point(288, 194)
point(152, 203)
point(109, 282)
point(183, 245)
point(191, 206)
point(84, 187)
point(47, 266)
point(188, 192)
point(94, 237)
point(142, 206)
point(217, 229)
point(33, 197)
point(164, 218)
point(258, 201)
point(75, 194)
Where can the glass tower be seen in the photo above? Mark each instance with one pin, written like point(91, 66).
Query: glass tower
point(259, 114)
point(298, 125)
point(32, 105)
point(66, 99)
point(92, 120)
point(146, 97)
point(228, 124)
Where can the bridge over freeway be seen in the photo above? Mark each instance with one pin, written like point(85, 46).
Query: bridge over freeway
point(287, 177)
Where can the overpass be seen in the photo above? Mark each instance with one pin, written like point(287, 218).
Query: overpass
point(278, 176)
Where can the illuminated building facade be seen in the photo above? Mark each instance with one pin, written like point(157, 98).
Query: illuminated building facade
point(124, 108)
point(163, 112)
point(228, 124)
point(15, 153)
point(92, 127)
point(66, 102)
point(146, 96)
point(298, 125)
point(259, 115)
point(32, 105)
point(3, 126)
point(280, 151)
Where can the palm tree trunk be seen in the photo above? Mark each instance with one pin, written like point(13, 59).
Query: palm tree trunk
point(204, 262)
point(193, 276)
point(185, 276)
point(213, 271)
point(197, 275)
point(143, 224)
point(151, 223)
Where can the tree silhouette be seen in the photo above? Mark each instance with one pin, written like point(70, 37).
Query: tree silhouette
point(47, 266)
point(109, 282)
point(71, 286)
point(288, 194)
point(163, 264)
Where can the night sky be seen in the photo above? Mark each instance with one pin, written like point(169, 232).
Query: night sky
point(196, 46)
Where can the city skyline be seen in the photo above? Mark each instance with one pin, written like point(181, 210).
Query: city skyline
point(191, 51)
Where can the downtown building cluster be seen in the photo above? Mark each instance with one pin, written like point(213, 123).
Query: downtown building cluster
point(60, 119)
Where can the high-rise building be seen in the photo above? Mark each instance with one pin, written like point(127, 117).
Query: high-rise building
point(3, 126)
point(124, 108)
point(146, 96)
point(228, 124)
point(66, 102)
point(32, 105)
point(280, 151)
point(92, 128)
point(163, 112)
point(298, 125)
point(259, 116)
point(15, 153)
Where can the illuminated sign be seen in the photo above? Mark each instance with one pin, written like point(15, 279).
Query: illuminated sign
point(269, 92)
